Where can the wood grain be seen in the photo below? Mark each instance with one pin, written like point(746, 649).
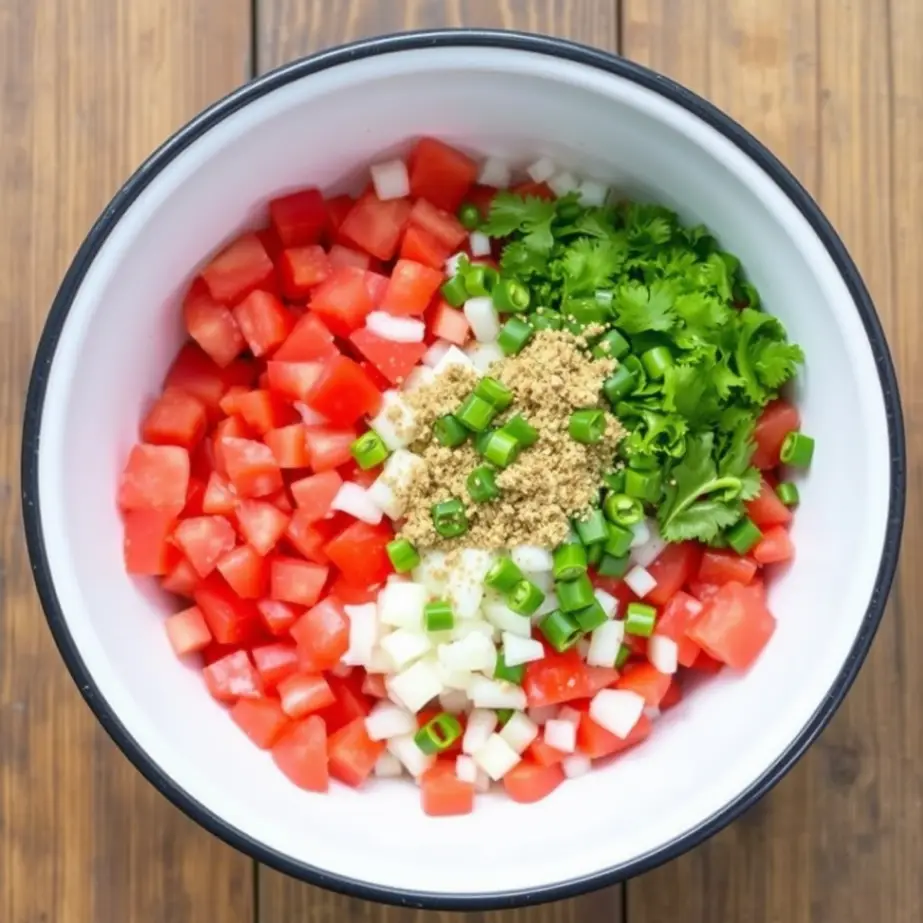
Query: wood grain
point(833, 87)
point(287, 29)
point(87, 89)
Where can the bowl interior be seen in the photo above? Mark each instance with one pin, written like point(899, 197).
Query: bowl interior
point(124, 328)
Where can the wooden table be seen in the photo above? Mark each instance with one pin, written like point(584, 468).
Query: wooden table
point(89, 87)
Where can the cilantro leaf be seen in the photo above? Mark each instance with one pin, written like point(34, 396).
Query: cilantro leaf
point(640, 308)
point(764, 358)
point(588, 265)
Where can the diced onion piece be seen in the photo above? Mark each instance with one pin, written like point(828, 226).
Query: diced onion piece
point(405, 645)
point(309, 416)
point(452, 356)
point(562, 735)
point(645, 553)
point(593, 192)
point(484, 355)
point(391, 180)
point(380, 662)
point(432, 573)
point(466, 769)
point(355, 500)
point(395, 421)
point(480, 726)
point(663, 653)
point(617, 710)
point(566, 713)
point(640, 581)
point(419, 377)
point(493, 693)
point(582, 647)
point(479, 244)
point(576, 765)
point(401, 605)
point(482, 316)
point(434, 354)
point(500, 615)
point(641, 533)
point(411, 757)
point(453, 681)
point(453, 262)
point(548, 604)
point(388, 766)
point(416, 686)
point(473, 627)
point(543, 579)
point(474, 652)
point(542, 713)
point(608, 603)
point(605, 643)
point(389, 720)
point(465, 585)
point(496, 757)
point(518, 650)
point(363, 634)
point(454, 701)
point(564, 182)
point(395, 329)
point(542, 170)
point(519, 731)
point(495, 172)
point(533, 558)
point(399, 471)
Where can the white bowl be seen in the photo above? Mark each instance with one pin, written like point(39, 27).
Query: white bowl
point(115, 326)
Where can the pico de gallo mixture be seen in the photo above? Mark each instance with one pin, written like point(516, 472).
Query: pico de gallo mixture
point(465, 478)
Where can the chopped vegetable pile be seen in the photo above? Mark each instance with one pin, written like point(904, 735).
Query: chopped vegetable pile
point(464, 480)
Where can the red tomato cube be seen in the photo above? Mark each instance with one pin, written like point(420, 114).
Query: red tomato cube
point(156, 477)
point(211, 324)
point(766, 509)
point(238, 269)
point(352, 754)
point(251, 467)
point(395, 361)
point(293, 380)
point(262, 720)
point(263, 321)
point(346, 256)
point(527, 783)
point(719, 566)
point(322, 633)
point(232, 677)
point(359, 551)
point(263, 411)
point(671, 569)
point(177, 418)
point(778, 420)
point(422, 247)
point(301, 753)
point(411, 288)
point(376, 226)
point(441, 225)
point(313, 495)
point(343, 300)
point(296, 581)
point(441, 174)
point(775, 547)
point(146, 541)
point(230, 619)
point(204, 540)
point(274, 662)
point(299, 218)
point(443, 794)
point(288, 445)
point(245, 572)
point(344, 392)
point(309, 341)
point(301, 269)
point(187, 631)
point(448, 323)
point(181, 579)
point(303, 693)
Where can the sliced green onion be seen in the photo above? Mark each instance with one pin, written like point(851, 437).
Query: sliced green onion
point(612, 345)
point(369, 450)
point(511, 296)
point(449, 518)
point(587, 426)
point(503, 575)
point(744, 535)
point(797, 450)
point(618, 541)
point(510, 674)
point(501, 449)
point(449, 432)
point(454, 291)
point(615, 481)
point(594, 555)
point(403, 555)
point(593, 529)
point(514, 335)
point(643, 485)
point(623, 510)
point(480, 280)
point(469, 216)
point(574, 594)
point(639, 619)
point(547, 320)
point(642, 463)
point(569, 561)
point(787, 492)
point(438, 734)
point(438, 615)
point(503, 715)
point(621, 658)
point(560, 630)
point(590, 617)
point(619, 384)
point(656, 361)
point(521, 430)
point(585, 311)
point(494, 392)
point(481, 440)
point(525, 597)
point(611, 566)
point(475, 413)
point(482, 484)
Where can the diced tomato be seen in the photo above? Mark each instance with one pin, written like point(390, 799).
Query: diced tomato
point(359, 551)
point(309, 341)
point(766, 509)
point(313, 495)
point(296, 581)
point(394, 360)
point(352, 754)
point(293, 380)
point(411, 288)
point(238, 269)
point(671, 569)
point(444, 227)
point(195, 495)
point(309, 536)
point(735, 626)
point(646, 680)
point(346, 256)
point(774, 547)
point(373, 684)
point(482, 197)
point(363, 477)
point(264, 322)
point(301, 753)
point(448, 323)
point(203, 540)
point(534, 190)
point(676, 616)
point(350, 704)
point(230, 619)
point(230, 403)
point(187, 631)
point(262, 720)
point(177, 418)
point(344, 392)
point(270, 241)
point(350, 594)
point(274, 662)
point(441, 174)
point(220, 498)
point(337, 210)
point(211, 324)
point(556, 678)
point(156, 477)
point(277, 616)
point(146, 541)
point(194, 372)
point(595, 741)
point(376, 226)
point(245, 572)
point(251, 467)
point(262, 411)
point(288, 445)
point(301, 269)
point(303, 693)
point(528, 782)
point(232, 677)
point(719, 566)
point(600, 678)
point(299, 218)
point(443, 794)
point(775, 423)
point(544, 754)
point(181, 579)
point(422, 247)
point(343, 300)
point(376, 285)
point(703, 592)
point(322, 633)
point(328, 448)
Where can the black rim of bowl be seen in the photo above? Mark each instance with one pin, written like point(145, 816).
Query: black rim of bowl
point(366, 49)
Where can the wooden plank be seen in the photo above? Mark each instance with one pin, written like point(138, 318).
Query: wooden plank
point(833, 86)
point(287, 29)
point(87, 89)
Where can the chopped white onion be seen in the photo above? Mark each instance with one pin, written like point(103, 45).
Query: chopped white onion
point(395, 329)
point(380, 662)
point(518, 650)
point(608, 603)
point(405, 645)
point(519, 731)
point(582, 647)
point(453, 681)
point(482, 316)
point(532, 558)
point(640, 581)
point(452, 356)
point(412, 758)
point(475, 652)
point(641, 532)
point(395, 422)
point(496, 757)
point(473, 627)
point(648, 551)
point(401, 605)
point(399, 471)
point(605, 643)
point(543, 579)
point(389, 720)
point(562, 735)
point(562, 183)
point(432, 573)
point(388, 766)
point(480, 726)
point(420, 377)
point(466, 582)
point(593, 192)
point(453, 262)
point(501, 616)
point(390, 179)
point(542, 713)
point(494, 693)
point(416, 686)
point(466, 770)
point(617, 710)
point(576, 765)
point(483, 355)
point(355, 500)
point(663, 653)
point(363, 634)
point(542, 170)
point(548, 604)
point(566, 713)
point(454, 701)
point(495, 172)
point(479, 244)
point(434, 354)
point(309, 416)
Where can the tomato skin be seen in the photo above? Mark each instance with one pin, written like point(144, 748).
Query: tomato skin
point(359, 552)
point(352, 754)
point(443, 794)
point(232, 677)
point(278, 617)
point(231, 620)
point(155, 477)
point(196, 373)
point(251, 467)
point(395, 361)
point(719, 567)
point(303, 693)
point(262, 720)
point(422, 247)
point(766, 509)
point(351, 704)
point(295, 581)
point(245, 572)
point(146, 542)
point(444, 227)
point(775, 423)
point(440, 174)
point(263, 321)
point(203, 540)
point(288, 446)
point(375, 226)
point(373, 685)
point(337, 209)
point(555, 679)
point(299, 218)
point(274, 662)
point(301, 269)
point(527, 782)
point(344, 392)
point(176, 418)
point(647, 681)
point(238, 269)
point(544, 754)
point(595, 741)
point(448, 323)
point(301, 753)
point(181, 579)
point(322, 633)
point(775, 547)
point(211, 324)
point(187, 631)
point(671, 569)
point(411, 288)
point(314, 494)
point(352, 595)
